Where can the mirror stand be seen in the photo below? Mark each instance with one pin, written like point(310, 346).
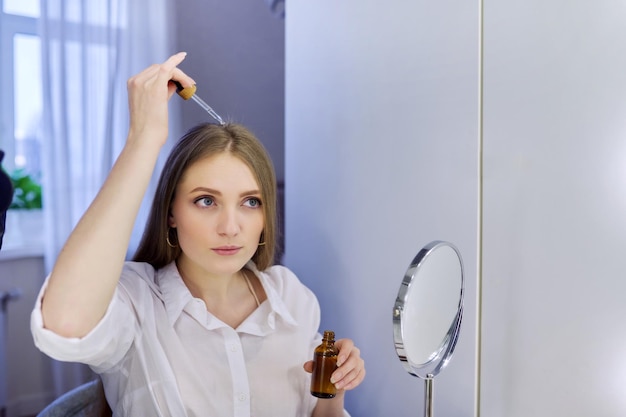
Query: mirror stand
point(428, 397)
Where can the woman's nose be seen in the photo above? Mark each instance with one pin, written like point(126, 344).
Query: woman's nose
point(228, 223)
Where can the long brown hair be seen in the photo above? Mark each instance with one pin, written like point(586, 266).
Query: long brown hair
point(200, 142)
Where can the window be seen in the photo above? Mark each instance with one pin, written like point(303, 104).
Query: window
point(20, 86)
point(21, 103)
point(82, 48)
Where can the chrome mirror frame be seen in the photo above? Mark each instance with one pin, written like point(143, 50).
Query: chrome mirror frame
point(440, 358)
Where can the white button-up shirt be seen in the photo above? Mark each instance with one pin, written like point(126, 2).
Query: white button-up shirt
point(161, 353)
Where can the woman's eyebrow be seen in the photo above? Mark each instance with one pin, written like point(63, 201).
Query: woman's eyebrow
point(251, 192)
point(206, 190)
point(219, 193)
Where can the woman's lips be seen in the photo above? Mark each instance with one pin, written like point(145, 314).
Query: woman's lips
point(227, 250)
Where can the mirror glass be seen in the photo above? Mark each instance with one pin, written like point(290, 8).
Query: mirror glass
point(428, 310)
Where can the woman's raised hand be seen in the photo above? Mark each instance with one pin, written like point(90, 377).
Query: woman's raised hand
point(148, 95)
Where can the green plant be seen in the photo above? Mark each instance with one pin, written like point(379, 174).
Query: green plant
point(27, 191)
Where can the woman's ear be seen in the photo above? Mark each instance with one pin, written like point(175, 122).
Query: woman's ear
point(170, 220)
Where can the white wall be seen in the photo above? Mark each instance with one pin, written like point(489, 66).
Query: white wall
point(381, 154)
point(380, 159)
point(554, 337)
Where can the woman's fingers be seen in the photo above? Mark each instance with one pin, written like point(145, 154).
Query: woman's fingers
point(161, 74)
point(349, 377)
point(178, 75)
point(345, 347)
point(170, 71)
point(149, 91)
point(351, 367)
point(174, 60)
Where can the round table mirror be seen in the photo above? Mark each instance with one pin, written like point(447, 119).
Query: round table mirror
point(427, 313)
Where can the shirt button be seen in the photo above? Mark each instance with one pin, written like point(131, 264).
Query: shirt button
point(242, 397)
point(233, 347)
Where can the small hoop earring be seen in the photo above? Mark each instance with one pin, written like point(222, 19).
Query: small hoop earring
point(262, 240)
point(167, 239)
point(261, 243)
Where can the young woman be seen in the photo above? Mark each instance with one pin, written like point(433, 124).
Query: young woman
point(200, 323)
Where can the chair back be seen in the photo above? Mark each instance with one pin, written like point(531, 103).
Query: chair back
point(86, 400)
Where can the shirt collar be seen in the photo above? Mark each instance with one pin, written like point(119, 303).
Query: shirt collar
point(278, 307)
point(177, 296)
point(175, 293)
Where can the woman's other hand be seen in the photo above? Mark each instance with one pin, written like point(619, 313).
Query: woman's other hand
point(350, 370)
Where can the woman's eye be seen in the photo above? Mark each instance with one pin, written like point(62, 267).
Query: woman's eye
point(204, 201)
point(253, 202)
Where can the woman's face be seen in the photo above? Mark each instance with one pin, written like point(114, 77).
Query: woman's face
point(218, 215)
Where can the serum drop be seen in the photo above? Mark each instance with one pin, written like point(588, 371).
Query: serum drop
point(324, 364)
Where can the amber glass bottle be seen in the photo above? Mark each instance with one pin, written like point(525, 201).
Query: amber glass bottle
point(324, 364)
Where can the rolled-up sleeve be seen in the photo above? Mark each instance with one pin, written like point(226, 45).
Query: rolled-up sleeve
point(102, 348)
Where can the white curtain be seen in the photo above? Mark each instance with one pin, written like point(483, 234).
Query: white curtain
point(90, 48)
